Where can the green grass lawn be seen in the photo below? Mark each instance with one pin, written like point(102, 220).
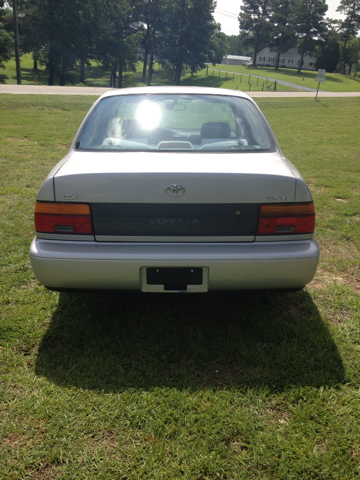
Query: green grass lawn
point(334, 81)
point(217, 78)
point(214, 386)
point(96, 76)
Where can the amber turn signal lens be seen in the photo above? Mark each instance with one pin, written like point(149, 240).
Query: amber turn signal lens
point(49, 208)
point(287, 210)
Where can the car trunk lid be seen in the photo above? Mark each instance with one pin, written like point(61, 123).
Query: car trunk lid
point(165, 195)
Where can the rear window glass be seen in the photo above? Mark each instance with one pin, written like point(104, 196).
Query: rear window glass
point(175, 123)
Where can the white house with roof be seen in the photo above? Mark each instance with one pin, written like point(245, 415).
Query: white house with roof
point(235, 60)
point(289, 59)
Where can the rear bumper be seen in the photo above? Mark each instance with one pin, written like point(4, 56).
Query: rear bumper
point(229, 266)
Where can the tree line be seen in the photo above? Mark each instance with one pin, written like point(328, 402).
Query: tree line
point(178, 34)
point(282, 24)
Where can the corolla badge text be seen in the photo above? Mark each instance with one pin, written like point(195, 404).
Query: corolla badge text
point(174, 190)
point(174, 221)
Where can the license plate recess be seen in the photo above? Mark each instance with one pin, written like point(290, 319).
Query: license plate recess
point(174, 279)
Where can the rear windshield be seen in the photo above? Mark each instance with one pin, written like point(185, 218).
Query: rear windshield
point(194, 123)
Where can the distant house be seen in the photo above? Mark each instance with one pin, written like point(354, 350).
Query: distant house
point(235, 60)
point(289, 59)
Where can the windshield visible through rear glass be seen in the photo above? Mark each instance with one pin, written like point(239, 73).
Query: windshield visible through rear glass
point(173, 122)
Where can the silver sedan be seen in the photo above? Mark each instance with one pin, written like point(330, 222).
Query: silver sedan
point(174, 189)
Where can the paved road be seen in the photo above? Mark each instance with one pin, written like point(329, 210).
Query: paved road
point(97, 91)
point(303, 94)
point(55, 90)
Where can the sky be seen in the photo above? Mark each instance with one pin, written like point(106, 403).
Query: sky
point(227, 12)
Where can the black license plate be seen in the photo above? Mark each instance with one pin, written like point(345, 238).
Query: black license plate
point(174, 278)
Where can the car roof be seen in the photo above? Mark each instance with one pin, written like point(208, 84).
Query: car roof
point(175, 90)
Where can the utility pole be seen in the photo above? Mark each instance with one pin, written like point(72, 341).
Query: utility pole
point(17, 49)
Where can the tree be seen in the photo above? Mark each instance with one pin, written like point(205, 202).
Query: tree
point(234, 45)
point(152, 14)
point(218, 46)
point(328, 52)
point(15, 30)
point(6, 39)
point(352, 53)
point(254, 21)
point(59, 32)
point(28, 40)
point(349, 26)
point(186, 37)
point(282, 35)
point(118, 35)
point(17, 46)
point(88, 30)
point(53, 28)
point(357, 62)
point(309, 25)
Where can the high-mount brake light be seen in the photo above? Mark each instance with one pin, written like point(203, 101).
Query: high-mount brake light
point(286, 219)
point(64, 218)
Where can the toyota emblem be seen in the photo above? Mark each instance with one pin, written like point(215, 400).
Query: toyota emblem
point(174, 190)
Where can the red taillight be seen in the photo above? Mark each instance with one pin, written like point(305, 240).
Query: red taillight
point(63, 218)
point(286, 219)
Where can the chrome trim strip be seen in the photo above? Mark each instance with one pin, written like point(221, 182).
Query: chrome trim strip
point(69, 237)
point(283, 238)
point(147, 239)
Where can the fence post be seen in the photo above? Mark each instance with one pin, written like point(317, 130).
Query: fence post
point(240, 78)
point(249, 79)
point(233, 76)
point(263, 86)
point(213, 72)
point(257, 82)
point(226, 76)
point(207, 69)
point(219, 73)
point(275, 86)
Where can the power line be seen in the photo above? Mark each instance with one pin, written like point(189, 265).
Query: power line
point(226, 13)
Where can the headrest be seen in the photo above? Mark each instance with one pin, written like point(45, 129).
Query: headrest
point(215, 130)
point(130, 128)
